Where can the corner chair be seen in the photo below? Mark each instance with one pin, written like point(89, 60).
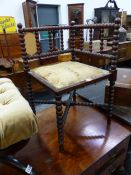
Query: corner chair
point(68, 76)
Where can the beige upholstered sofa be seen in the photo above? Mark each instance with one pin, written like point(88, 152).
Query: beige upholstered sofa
point(17, 121)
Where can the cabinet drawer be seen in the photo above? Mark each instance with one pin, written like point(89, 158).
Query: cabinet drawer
point(114, 160)
point(109, 163)
point(114, 163)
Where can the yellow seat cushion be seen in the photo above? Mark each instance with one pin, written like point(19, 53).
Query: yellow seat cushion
point(68, 73)
point(17, 121)
point(64, 57)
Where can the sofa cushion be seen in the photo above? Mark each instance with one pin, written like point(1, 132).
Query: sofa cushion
point(17, 121)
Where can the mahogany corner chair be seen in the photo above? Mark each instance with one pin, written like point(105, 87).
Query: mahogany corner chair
point(68, 76)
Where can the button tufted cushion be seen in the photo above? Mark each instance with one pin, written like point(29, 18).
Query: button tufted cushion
point(17, 121)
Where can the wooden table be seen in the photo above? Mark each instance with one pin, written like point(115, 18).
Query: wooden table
point(93, 146)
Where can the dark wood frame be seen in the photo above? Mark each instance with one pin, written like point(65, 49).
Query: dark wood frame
point(60, 114)
point(79, 19)
point(80, 7)
point(28, 6)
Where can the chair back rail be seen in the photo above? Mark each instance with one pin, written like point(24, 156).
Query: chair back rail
point(72, 47)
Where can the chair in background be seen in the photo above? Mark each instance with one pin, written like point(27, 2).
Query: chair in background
point(68, 76)
point(17, 122)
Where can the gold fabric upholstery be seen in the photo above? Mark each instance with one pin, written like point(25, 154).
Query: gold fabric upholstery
point(30, 43)
point(17, 121)
point(65, 57)
point(67, 73)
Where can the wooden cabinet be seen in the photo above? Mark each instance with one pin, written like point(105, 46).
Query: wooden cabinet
point(9, 46)
point(114, 160)
point(29, 10)
point(75, 13)
point(107, 14)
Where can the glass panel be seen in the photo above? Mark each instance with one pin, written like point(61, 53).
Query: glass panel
point(105, 16)
point(113, 15)
point(44, 35)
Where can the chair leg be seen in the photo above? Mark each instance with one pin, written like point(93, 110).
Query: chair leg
point(59, 116)
point(74, 96)
point(111, 97)
point(14, 162)
point(30, 94)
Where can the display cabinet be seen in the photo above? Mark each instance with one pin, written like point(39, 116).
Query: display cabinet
point(107, 14)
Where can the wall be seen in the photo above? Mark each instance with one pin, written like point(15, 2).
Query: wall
point(14, 8)
point(88, 7)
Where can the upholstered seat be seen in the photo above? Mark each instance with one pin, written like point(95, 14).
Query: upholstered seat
point(17, 121)
point(68, 73)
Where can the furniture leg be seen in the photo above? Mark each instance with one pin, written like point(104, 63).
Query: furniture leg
point(30, 94)
point(74, 96)
point(111, 97)
point(59, 117)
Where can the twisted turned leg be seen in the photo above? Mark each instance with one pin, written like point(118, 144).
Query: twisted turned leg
point(74, 96)
point(111, 97)
point(59, 117)
point(30, 94)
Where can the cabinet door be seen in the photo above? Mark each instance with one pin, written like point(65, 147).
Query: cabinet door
point(113, 15)
point(105, 16)
point(75, 13)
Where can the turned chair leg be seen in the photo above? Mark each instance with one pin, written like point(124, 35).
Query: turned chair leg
point(111, 97)
point(74, 96)
point(59, 117)
point(30, 93)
